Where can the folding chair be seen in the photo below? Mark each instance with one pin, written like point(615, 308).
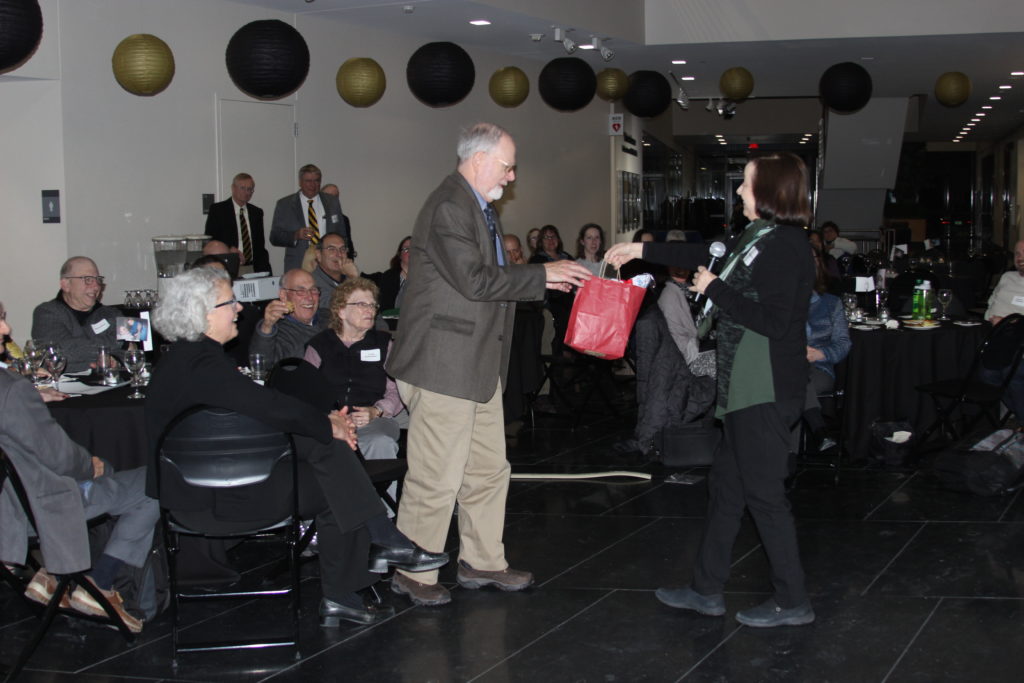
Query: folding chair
point(65, 582)
point(212, 454)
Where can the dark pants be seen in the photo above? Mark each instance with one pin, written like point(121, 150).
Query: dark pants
point(749, 472)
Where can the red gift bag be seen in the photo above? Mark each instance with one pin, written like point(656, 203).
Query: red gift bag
point(602, 316)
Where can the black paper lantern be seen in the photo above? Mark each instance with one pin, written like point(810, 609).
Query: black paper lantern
point(440, 74)
point(845, 87)
point(567, 83)
point(267, 59)
point(21, 29)
point(649, 94)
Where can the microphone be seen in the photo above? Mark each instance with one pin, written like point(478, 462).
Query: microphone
point(717, 251)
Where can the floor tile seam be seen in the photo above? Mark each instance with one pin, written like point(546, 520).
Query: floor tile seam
point(649, 490)
point(891, 494)
point(598, 552)
point(712, 651)
point(542, 636)
point(913, 639)
point(115, 677)
point(1010, 504)
point(894, 558)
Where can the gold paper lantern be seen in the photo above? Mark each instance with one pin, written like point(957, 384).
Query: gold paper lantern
point(509, 86)
point(736, 83)
point(612, 84)
point(143, 64)
point(361, 81)
point(952, 88)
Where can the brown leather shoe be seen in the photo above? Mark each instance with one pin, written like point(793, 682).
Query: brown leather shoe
point(42, 587)
point(426, 594)
point(507, 579)
point(82, 602)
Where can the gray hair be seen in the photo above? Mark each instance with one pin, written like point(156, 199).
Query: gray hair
point(481, 137)
point(68, 265)
point(185, 300)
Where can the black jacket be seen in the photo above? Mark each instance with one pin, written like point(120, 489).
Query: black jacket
point(222, 224)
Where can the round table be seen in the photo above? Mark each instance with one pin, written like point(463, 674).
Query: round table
point(110, 425)
point(885, 366)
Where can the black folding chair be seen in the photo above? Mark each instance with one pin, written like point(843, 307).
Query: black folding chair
point(1000, 352)
point(65, 582)
point(210, 455)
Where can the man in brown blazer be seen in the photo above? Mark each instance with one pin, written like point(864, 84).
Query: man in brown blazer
point(450, 357)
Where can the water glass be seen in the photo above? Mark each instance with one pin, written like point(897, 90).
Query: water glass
point(135, 361)
point(34, 353)
point(850, 304)
point(945, 299)
point(55, 361)
point(258, 366)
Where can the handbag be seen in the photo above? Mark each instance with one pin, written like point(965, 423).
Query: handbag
point(602, 317)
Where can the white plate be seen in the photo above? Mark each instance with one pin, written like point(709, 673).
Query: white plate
point(966, 323)
point(871, 321)
point(917, 327)
point(866, 328)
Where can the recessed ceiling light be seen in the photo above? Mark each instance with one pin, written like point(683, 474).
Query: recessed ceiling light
point(986, 106)
point(980, 113)
point(995, 98)
point(969, 125)
point(587, 46)
point(1005, 87)
point(480, 22)
point(1017, 73)
point(679, 61)
point(867, 59)
point(803, 142)
point(975, 120)
point(687, 78)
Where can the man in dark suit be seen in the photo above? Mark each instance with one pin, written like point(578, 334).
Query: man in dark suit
point(239, 224)
point(301, 219)
point(450, 357)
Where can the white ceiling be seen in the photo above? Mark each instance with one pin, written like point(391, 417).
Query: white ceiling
point(900, 66)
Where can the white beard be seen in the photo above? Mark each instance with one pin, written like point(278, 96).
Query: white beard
point(495, 194)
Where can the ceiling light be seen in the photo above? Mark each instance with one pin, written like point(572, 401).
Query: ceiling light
point(975, 120)
point(595, 43)
point(995, 98)
point(1005, 87)
point(1017, 73)
point(679, 61)
point(480, 22)
point(986, 106)
point(687, 78)
point(980, 113)
point(607, 54)
point(803, 142)
point(568, 43)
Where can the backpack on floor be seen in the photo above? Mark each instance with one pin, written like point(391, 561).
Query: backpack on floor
point(991, 467)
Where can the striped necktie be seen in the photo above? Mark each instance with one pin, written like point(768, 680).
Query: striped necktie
point(492, 227)
point(314, 224)
point(246, 238)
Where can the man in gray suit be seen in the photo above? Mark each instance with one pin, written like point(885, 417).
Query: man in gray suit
point(450, 357)
point(67, 486)
point(301, 219)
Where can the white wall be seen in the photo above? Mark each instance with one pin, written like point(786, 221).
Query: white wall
point(134, 167)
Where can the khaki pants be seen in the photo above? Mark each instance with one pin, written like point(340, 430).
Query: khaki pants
point(456, 454)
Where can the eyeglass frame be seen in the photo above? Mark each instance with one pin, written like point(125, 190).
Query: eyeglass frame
point(330, 248)
point(362, 304)
point(303, 292)
point(96, 279)
point(229, 302)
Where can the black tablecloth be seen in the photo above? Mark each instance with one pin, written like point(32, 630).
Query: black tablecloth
point(109, 425)
point(883, 368)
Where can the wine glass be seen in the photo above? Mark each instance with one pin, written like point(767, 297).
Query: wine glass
point(850, 304)
point(945, 299)
point(35, 353)
point(881, 299)
point(55, 361)
point(135, 361)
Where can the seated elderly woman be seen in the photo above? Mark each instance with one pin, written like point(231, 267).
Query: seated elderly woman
point(351, 356)
point(197, 312)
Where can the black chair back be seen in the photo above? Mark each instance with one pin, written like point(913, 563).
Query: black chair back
point(1002, 349)
point(296, 377)
point(219, 448)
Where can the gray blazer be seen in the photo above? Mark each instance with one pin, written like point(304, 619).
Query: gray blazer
point(54, 320)
point(455, 330)
point(290, 215)
point(50, 464)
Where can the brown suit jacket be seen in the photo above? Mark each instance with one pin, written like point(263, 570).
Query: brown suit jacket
point(455, 329)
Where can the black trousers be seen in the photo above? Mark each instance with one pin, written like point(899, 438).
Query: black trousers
point(749, 472)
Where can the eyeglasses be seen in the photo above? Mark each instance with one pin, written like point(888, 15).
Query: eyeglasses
point(509, 168)
point(247, 190)
point(229, 302)
point(363, 305)
point(404, 250)
point(87, 279)
point(335, 250)
point(312, 291)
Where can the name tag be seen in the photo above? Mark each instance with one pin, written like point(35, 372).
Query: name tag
point(100, 327)
point(1019, 300)
point(335, 218)
point(369, 355)
point(750, 256)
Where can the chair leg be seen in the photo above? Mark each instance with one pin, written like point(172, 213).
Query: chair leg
point(63, 585)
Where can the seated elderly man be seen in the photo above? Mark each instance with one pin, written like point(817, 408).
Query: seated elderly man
point(333, 266)
point(75, 318)
point(67, 486)
point(1008, 298)
point(291, 320)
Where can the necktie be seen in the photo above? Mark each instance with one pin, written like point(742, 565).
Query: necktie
point(246, 238)
point(492, 227)
point(314, 224)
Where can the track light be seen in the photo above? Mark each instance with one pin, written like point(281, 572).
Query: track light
point(561, 36)
point(682, 99)
point(607, 54)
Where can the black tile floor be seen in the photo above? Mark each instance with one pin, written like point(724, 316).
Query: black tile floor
point(910, 583)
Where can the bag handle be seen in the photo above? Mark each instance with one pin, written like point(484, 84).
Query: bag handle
point(615, 271)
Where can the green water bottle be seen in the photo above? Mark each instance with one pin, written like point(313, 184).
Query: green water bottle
point(917, 303)
point(927, 300)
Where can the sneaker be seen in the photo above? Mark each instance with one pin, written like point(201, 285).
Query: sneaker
point(42, 587)
point(826, 444)
point(687, 598)
point(426, 594)
point(82, 602)
point(507, 579)
point(768, 615)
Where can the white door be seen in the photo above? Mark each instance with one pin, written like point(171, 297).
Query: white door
point(258, 138)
